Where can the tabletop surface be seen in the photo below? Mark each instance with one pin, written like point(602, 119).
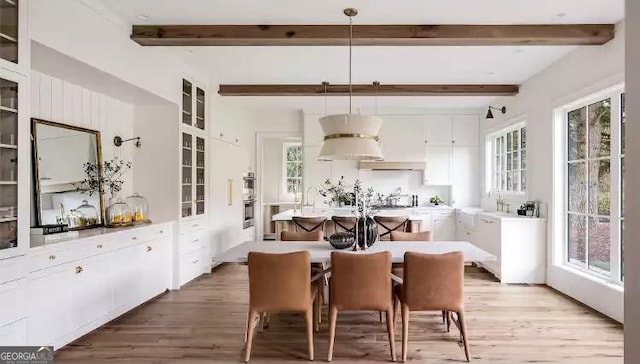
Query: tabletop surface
point(321, 251)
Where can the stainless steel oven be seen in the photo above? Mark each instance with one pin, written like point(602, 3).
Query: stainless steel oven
point(249, 208)
point(248, 186)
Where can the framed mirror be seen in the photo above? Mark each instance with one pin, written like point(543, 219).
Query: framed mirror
point(60, 155)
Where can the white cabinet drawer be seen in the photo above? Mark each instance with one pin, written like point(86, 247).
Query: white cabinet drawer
point(191, 265)
point(443, 214)
point(12, 269)
point(191, 241)
point(14, 334)
point(191, 225)
point(13, 298)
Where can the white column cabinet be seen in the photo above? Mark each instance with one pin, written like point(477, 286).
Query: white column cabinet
point(465, 130)
point(464, 176)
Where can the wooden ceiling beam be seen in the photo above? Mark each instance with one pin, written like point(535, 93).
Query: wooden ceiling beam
point(373, 35)
point(370, 90)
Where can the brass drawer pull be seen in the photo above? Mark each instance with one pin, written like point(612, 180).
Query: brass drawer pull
point(195, 241)
point(149, 248)
point(195, 261)
point(79, 270)
point(195, 225)
point(99, 246)
point(161, 231)
point(52, 257)
point(134, 238)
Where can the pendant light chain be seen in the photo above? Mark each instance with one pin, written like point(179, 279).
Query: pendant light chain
point(325, 84)
point(350, 57)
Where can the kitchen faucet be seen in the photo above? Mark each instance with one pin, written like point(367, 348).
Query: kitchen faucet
point(314, 197)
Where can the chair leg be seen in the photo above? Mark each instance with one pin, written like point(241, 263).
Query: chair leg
point(448, 314)
point(390, 330)
point(333, 316)
point(380, 315)
point(320, 301)
point(395, 311)
point(250, 327)
point(463, 332)
point(405, 331)
point(444, 318)
point(310, 323)
point(316, 312)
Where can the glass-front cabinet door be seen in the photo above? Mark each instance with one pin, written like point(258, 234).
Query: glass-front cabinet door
point(9, 30)
point(187, 102)
point(200, 108)
point(9, 197)
point(200, 175)
point(187, 175)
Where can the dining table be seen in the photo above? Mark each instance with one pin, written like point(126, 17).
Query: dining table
point(320, 252)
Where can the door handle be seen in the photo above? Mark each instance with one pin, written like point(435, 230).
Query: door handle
point(149, 248)
point(79, 270)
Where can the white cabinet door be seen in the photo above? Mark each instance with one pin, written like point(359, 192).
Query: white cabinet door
point(438, 166)
point(464, 176)
point(14, 334)
point(402, 138)
point(438, 130)
point(91, 290)
point(465, 129)
point(443, 229)
point(154, 262)
point(125, 279)
point(48, 303)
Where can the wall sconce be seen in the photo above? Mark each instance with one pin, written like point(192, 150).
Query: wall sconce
point(490, 114)
point(118, 141)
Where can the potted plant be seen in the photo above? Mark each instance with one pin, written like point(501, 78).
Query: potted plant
point(335, 194)
point(436, 200)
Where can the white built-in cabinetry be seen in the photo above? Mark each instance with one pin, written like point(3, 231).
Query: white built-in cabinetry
point(14, 171)
point(517, 242)
point(78, 285)
point(401, 138)
point(193, 249)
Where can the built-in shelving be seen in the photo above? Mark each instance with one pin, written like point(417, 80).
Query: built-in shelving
point(8, 162)
point(9, 30)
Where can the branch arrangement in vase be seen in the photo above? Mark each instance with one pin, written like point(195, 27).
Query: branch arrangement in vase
point(336, 194)
point(109, 181)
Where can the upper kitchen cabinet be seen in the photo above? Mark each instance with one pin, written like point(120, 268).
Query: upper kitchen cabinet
point(465, 130)
point(438, 130)
point(14, 165)
point(401, 137)
point(14, 45)
point(193, 105)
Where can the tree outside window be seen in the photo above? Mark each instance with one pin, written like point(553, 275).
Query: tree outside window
point(292, 169)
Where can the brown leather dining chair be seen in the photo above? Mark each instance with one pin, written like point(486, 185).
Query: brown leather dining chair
point(387, 224)
point(360, 282)
point(404, 236)
point(317, 235)
point(432, 282)
point(308, 224)
point(280, 283)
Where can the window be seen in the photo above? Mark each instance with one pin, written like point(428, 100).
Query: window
point(594, 185)
point(509, 161)
point(292, 169)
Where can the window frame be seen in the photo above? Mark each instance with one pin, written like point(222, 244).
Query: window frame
point(493, 168)
point(285, 146)
point(614, 276)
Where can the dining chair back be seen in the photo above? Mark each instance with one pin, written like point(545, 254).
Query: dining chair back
point(280, 282)
point(433, 282)
point(309, 224)
point(344, 223)
point(360, 282)
point(317, 235)
point(404, 236)
point(387, 224)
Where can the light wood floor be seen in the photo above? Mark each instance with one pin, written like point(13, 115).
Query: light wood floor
point(204, 322)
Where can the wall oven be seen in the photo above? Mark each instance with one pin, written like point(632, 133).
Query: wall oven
point(249, 207)
point(248, 199)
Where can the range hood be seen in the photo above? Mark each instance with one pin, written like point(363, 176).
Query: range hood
point(392, 166)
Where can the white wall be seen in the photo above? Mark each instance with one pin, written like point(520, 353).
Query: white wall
point(57, 100)
point(91, 33)
point(581, 73)
point(632, 210)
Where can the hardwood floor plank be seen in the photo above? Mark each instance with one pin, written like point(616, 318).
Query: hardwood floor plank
point(204, 322)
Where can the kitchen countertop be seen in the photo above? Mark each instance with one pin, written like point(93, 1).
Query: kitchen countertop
point(414, 213)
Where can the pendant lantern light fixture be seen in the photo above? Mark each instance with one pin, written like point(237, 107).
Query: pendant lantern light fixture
point(350, 136)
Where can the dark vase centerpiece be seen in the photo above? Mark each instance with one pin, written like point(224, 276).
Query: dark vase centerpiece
point(367, 228)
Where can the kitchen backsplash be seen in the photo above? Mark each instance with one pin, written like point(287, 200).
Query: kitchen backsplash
point(410, 183)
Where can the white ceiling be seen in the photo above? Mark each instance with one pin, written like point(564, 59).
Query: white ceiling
point(499, 64)
point(370, 11)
